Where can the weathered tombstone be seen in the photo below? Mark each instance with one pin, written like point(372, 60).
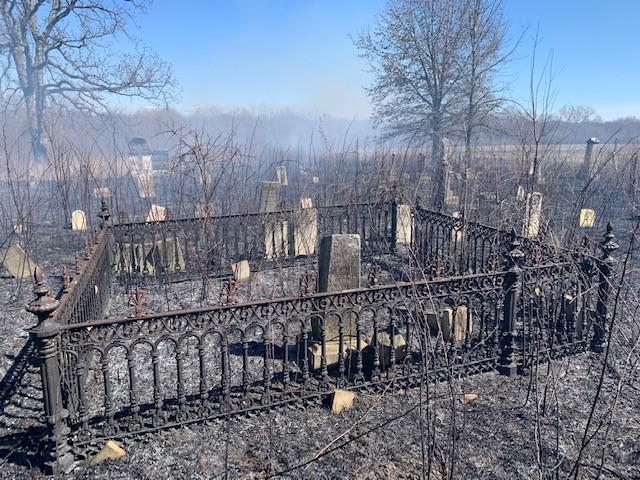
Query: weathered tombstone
point(78, 220)
point(315, 180)
point(101, 192)
point(203, 210)
point(269, 197)
point(339, 262)
point(587, 218)
point(19, 228)
point(533, 215)
point(404, 225)
point(156, 214)
point(241, 271)
point(305, 232)
point(17, 262)
point(459, 321)
point(276, 239)
point(146, 185)
point(147, 257)
point(281, 175)
point(306, 202)
point(520, 195)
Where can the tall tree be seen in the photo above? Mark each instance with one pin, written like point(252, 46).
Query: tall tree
point(76, 53)
point(432, 61)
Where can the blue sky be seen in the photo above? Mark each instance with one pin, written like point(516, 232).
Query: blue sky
point(272, 54)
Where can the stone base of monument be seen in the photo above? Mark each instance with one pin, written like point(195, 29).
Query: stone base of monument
point(384, 350)
point(458, 321)
point(349, 352)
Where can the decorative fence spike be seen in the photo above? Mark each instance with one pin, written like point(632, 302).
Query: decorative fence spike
point(66, 281)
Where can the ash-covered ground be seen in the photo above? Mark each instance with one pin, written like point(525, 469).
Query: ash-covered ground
point(581, 412)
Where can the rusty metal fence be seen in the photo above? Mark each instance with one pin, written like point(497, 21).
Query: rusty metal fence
point(508, 305)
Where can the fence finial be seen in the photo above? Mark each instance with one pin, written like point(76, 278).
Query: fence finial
point(43, 305)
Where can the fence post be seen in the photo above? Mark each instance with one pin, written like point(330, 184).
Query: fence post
point(606, 269)
point(394, 225)
point(515, 256)
point(45, 335)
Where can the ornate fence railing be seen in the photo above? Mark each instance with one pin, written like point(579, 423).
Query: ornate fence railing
point(171, 249)
point(106, 378)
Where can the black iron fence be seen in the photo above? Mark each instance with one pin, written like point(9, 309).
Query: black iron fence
point(506, 308)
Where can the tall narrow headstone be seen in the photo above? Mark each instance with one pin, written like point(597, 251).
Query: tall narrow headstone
point(78, 220)
point(276, 239)
point(305, 232)
point(587, 218)
point(269, 197)
point(339, 262)
point(533, 215)
point(281, 175)
point(404, 225)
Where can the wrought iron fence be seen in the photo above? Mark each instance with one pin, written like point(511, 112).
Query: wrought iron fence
point(125, 376)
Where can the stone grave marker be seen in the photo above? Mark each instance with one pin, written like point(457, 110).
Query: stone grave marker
point(156, 214)
point(276, 239)
point(306, 202)
point(305, 232)
point(19, 228)
point(533, 215)
point(315, 180)
point(241, 271)
point(587, 218)
point(146, 185)
point(101, 192)
point(281, 175)
point(269, 197)
point(404, 225)
point(78, 220)
point(17, 262)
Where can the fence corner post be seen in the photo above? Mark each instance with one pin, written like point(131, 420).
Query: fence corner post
point(606, 269)
point(45, 336)
point(515, 257)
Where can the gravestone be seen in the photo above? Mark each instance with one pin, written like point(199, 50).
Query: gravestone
point(78, 220)
point(19, 228)
point(203, 210)
point(269, 197)
point(101, 192)
point(587, 218)
point(156, 214)
point(281, 175)
point(533, 215)
point(146, 185)
point(404, 225)
point(315, 180)
point(276, 239)
point(306, 202)
point(305, 232)
point(339, 262)
point(241, 271)
point(338, 270)
point(149, 257)
point(17, 262)
point(459, 321)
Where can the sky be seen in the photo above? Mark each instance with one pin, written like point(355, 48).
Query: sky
point(268, 55)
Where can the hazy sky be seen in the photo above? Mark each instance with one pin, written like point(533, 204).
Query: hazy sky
point(264, 54)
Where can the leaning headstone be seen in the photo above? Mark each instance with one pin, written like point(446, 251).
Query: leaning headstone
point(587, 218)
point(203, 210)
point(241, 271)
point(269, 197)
point(17, 262)
point(404, 225)
point(78, 220)
point(305, 232)
point(281, 175)
point(156, 214)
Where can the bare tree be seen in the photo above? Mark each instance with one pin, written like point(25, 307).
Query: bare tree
point(65, 52)
point(432, 61)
